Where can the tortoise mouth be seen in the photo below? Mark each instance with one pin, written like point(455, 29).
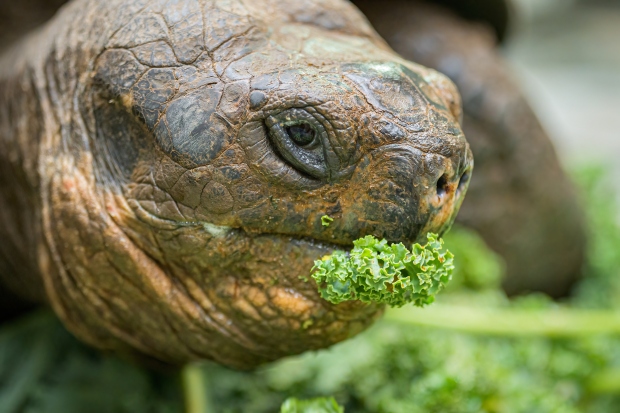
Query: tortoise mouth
point(216, 230)
point(331, 246)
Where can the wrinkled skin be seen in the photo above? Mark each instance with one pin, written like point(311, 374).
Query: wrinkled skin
point(166, 164)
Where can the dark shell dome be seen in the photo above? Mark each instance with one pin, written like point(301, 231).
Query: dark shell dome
point(13, 24)
point(497, 13)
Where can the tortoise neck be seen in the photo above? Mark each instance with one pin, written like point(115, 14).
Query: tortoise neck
point(21, 127)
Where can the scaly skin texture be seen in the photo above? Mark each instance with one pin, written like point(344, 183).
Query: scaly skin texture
point(181, 157)
point(520, 200)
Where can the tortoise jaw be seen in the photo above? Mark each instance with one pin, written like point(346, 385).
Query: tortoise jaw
point(270, 296)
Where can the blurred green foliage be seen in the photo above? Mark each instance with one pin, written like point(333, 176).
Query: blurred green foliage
point(318, 405)
point(43, 369)
point(601, 287)
point(476, 267)
point(393, 367)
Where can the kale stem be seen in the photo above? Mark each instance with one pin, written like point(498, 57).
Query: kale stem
point(195, 390)
point(558, 322)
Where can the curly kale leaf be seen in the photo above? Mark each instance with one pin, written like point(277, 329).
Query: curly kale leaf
point(326, 220)
point(377, 272)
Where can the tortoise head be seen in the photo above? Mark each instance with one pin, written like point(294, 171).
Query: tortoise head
point(215, 171)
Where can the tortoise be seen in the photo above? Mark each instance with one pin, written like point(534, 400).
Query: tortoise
point(166, 164)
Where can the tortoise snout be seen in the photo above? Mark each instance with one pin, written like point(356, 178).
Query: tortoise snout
point(403, 192)
point(449, 187)
point(448, 180)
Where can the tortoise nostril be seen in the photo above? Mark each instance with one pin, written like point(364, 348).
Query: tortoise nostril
point(442, 185)
point(464, 180)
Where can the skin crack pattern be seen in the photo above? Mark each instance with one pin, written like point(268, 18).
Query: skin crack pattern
point(197, 144)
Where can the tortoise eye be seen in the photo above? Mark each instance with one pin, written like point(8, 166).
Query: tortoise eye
point(303, 135)
point(298, 138)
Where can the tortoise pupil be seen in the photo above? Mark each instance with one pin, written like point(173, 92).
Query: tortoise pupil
point(302, 134)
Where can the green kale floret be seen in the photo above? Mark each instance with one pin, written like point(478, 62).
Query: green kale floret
point(377, 272)
point(326, 220)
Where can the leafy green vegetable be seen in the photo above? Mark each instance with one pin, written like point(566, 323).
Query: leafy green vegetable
point(326, 220)
point(318, 405)
point(377, 272)
point(396, 368)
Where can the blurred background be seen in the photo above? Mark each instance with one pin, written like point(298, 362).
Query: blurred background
point(567, 55)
